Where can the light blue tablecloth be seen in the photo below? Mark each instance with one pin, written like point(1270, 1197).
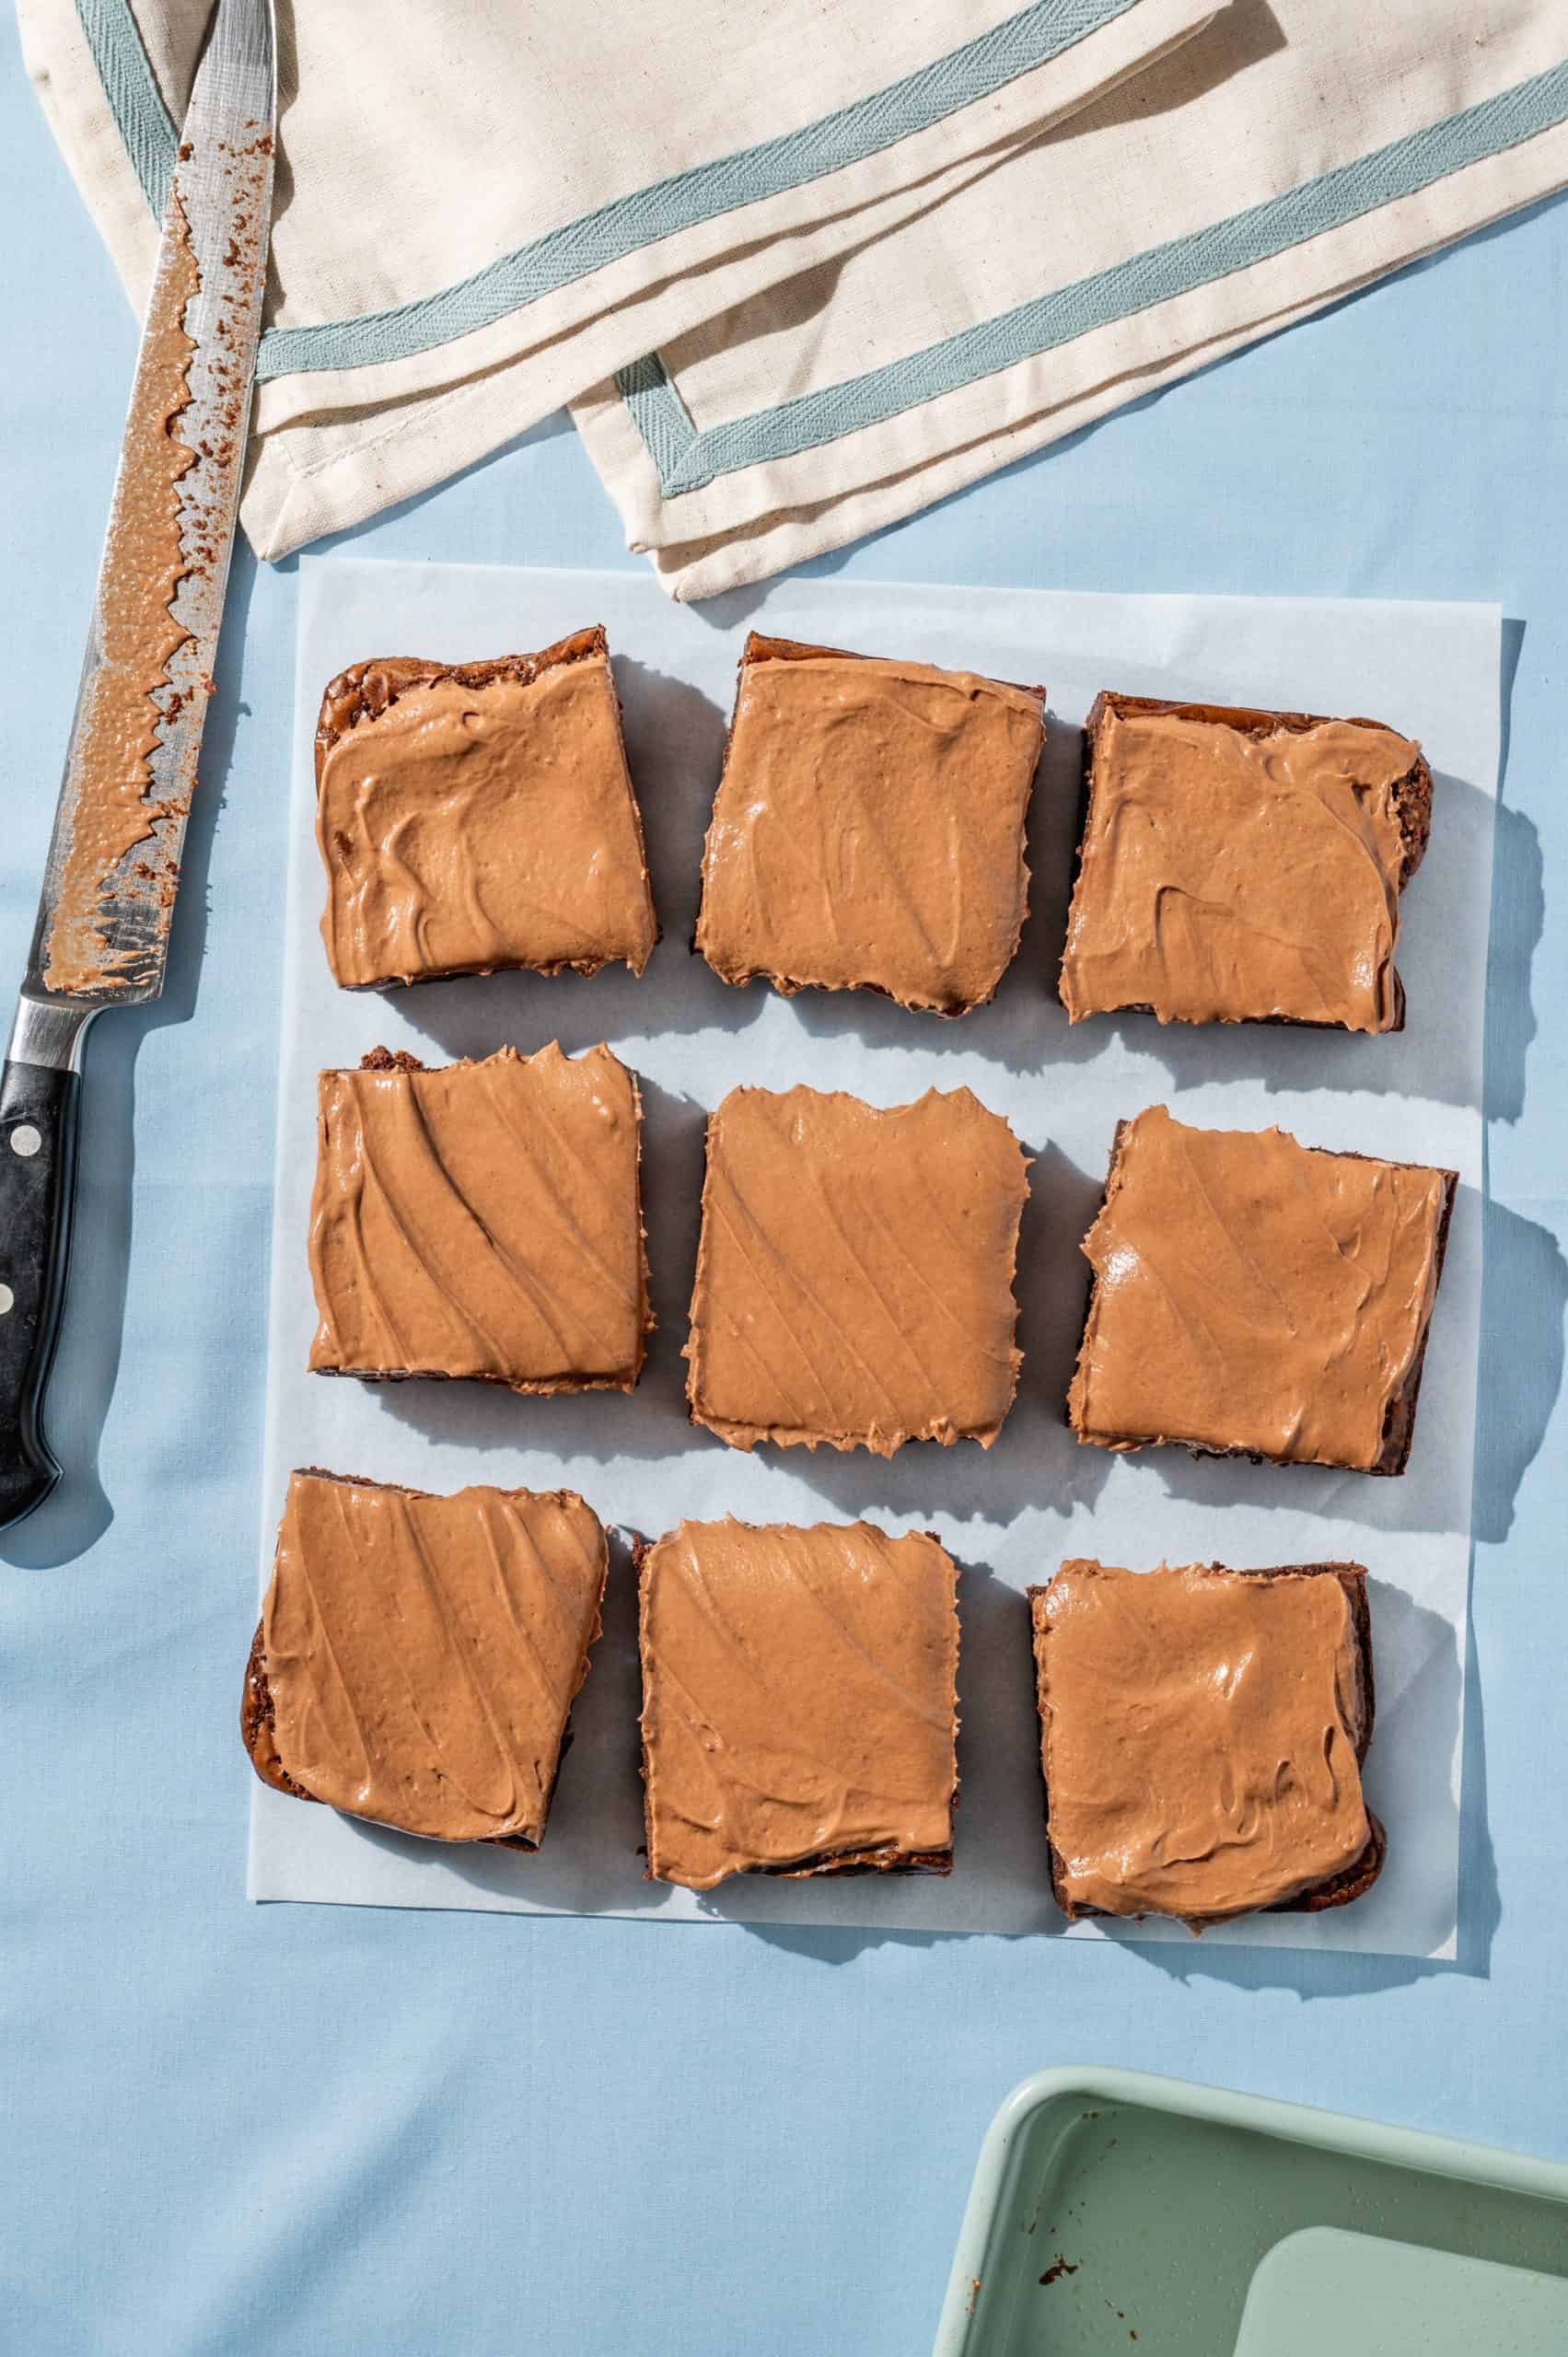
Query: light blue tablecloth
point(321, 2130)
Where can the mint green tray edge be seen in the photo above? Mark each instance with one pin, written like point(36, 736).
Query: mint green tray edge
point(960, 2333)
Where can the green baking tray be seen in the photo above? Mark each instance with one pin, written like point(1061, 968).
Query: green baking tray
point(1115, 2212)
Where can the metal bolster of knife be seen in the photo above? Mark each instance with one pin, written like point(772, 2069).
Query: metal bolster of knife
point(50, 1033)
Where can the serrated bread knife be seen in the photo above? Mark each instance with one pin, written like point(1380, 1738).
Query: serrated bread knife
point(102, 938)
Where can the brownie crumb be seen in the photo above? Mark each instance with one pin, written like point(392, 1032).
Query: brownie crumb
point(389, 1060)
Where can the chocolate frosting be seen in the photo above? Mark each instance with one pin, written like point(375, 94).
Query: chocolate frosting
point(469, 825)
point(1230, 873)
point(1200, 1737)
point(481, 1220)
point(422, 1653)
point(854, 1276)
point(869, 830)
point(144, 565)
point(798, 1702)
point(1254, 1295)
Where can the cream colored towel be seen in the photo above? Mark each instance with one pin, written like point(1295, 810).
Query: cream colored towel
point(485, 208)
point(1293, 150)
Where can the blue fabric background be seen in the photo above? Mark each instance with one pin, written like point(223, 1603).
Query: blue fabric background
point(239, 2130)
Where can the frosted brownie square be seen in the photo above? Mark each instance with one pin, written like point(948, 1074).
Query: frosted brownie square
point(474, 816)
point(417, 1656)
point(1202, 1732)
point(854, 1272)
point(868, 827)
point(1243, 867)
point(482, 1220)
point(799, 1714)
point(1253, 1296)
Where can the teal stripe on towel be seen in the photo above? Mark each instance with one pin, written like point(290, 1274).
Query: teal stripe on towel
point(135, 99)
point(974, 70)
point(688, 459)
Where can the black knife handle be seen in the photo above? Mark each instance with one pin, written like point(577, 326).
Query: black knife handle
point(38, 1162)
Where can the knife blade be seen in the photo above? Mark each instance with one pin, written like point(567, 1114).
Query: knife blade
point(101, 937)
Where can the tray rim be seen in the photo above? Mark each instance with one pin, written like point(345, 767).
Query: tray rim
point(1300, 2123)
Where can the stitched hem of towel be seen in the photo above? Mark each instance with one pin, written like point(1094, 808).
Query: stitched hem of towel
point(857, 141)
point(688, 459)
point(395, 464)
point(968, 435)
point(362, 466)
point(691, 570)
point(606, 308)
point(885, 474)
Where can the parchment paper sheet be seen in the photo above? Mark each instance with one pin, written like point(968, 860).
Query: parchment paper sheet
point(1009, 1515)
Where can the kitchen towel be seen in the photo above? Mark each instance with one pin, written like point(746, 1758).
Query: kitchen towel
point(1293, 151)
point(485, 208)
